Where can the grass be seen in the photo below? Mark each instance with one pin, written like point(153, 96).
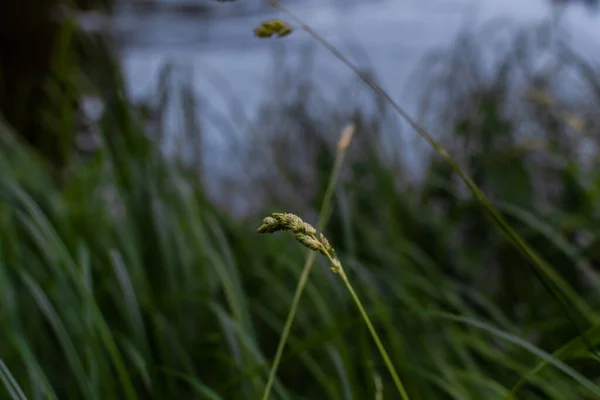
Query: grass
point(123, 280)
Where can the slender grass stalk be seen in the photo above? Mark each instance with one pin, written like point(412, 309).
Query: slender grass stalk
point(386, 358)
point(343, 144)
point(565, 295)
point(10, 383)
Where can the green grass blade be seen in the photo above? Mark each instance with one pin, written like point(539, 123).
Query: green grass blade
point(575, 347)
point(548, 358)
point(62, 334)
point(10, 383)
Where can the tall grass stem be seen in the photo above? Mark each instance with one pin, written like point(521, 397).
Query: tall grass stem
point(380, 347)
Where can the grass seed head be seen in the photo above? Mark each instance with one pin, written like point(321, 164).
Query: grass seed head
point(346, 137)
point(335, 266)
point(304, 232)
point(309, 241)
point(294, 223)
point(270, 225)
point(271, 28)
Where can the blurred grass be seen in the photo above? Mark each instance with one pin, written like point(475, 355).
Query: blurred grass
point(125, 279)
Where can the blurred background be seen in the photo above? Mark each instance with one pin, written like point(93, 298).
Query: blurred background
point(143, 141)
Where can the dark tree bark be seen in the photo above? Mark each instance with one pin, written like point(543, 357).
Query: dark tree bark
point(39, 51)
point(27, 33)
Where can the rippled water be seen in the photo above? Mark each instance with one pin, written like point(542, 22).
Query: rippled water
point(393, 34)
point(217, 43)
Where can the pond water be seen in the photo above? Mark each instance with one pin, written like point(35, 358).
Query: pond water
point(214, 40)
point(392, 34)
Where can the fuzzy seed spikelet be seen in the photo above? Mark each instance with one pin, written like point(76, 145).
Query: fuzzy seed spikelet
point(270, 225)
point(325, 242)
point(335, 266)
point(308, 241)
point(271, 28)
point(346, 137)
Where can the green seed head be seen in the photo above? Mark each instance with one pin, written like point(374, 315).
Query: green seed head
point(304, 232)
point(271, 28)
point(309, 241)
point(270, 225)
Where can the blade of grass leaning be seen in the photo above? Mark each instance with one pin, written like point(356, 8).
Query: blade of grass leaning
point(335, 348)
point(10, 383)
point(576, 376)
point(565, 294)
point(481, 345)
point(555, 238)
point(247, 344)
point(300, 347)
point(343, 144)
point(62, 334)
point(33, 366)
point(198, 387)
point(571, 348)
point(317, 370)
point(130, 301)
point(341, 370)
point(45, 234)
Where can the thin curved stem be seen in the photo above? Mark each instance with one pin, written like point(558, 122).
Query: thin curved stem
point(338, 269)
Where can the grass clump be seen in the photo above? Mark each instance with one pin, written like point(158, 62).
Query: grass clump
point(129, 278)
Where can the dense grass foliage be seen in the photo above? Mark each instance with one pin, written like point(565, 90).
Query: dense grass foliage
point(120, 279)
